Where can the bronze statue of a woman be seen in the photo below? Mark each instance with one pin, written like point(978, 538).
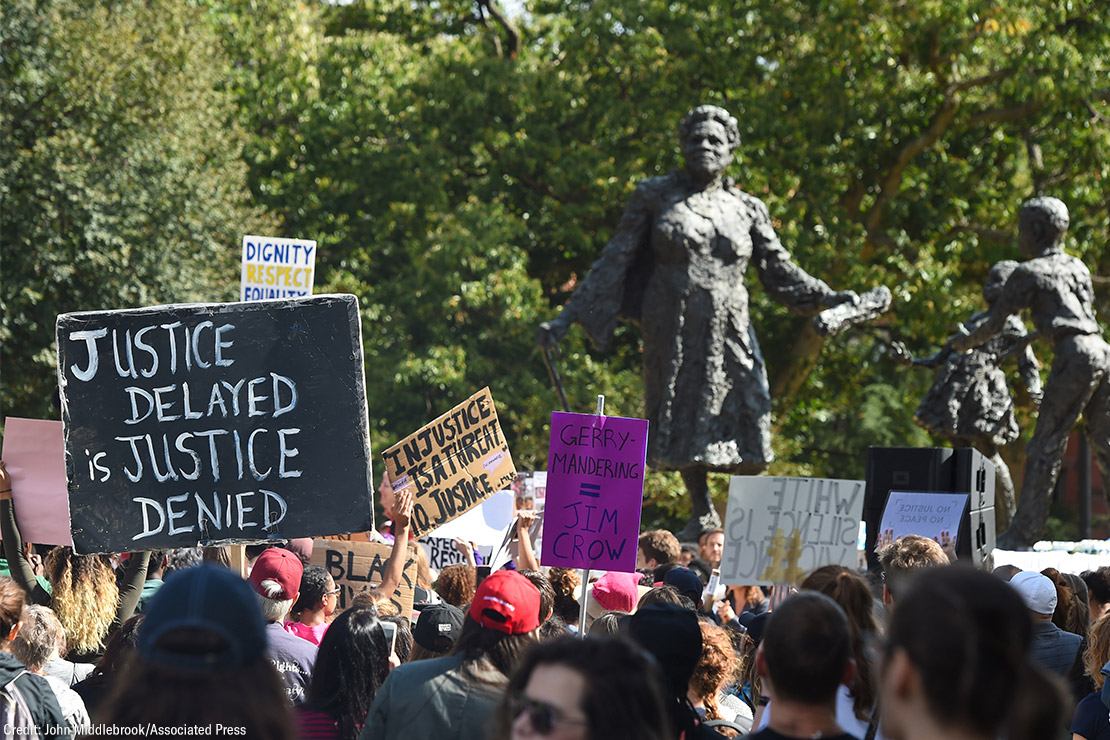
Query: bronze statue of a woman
point(676, 267)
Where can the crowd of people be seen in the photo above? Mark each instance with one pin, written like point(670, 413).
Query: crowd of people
point(178, 641)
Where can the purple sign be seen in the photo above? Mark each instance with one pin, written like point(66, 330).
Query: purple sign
point(595, 489)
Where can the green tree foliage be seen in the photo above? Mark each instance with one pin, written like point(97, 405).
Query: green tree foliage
point(461, 168)
point(120, 177)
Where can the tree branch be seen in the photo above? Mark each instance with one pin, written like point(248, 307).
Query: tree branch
point(510, 30)
point(1004, 115)
point(942, 119)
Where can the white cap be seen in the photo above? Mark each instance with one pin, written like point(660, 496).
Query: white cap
point(1037, 591)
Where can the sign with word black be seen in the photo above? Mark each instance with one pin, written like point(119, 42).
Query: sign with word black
point(360, 566)
point(452, 464)
point(214, 423)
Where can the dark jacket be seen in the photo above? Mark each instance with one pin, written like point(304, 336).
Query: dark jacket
point(37, 693)
point(1053, 648)
point(433, 700)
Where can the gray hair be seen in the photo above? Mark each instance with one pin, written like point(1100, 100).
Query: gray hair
point(38, 637)
point(273, 610)
point(710, 113)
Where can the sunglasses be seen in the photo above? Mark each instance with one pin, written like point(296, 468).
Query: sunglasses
point(541, 716)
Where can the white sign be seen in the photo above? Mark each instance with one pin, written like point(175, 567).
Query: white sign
point(485, 524)
point(275, 267)
point(779, 529)
point(442, 551)
point(925, 514)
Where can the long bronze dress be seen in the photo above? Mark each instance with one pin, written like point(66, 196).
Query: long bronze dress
point(676, 266)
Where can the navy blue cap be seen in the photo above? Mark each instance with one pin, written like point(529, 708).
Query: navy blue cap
point(208, 599)
point(686, 581)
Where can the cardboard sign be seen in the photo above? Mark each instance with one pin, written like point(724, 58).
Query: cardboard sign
point(453, 464)
point(274, 267)
point(595, 490)
point(779, 529)
point(926, 514)
point(359, 566)
point(214, 423)
point(34, 452)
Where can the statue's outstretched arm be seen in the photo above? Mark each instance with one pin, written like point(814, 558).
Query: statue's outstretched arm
point(596, 302)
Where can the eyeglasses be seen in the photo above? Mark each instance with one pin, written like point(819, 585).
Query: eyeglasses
point(541, 716)
point(333, 592)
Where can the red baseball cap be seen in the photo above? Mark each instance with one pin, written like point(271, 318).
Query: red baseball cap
point(280, 565)
point(507, 602)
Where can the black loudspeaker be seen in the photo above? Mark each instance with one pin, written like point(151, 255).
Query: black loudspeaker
point(935, 470)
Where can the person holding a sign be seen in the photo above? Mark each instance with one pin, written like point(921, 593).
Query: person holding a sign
point(676, 266)
point(84, 593)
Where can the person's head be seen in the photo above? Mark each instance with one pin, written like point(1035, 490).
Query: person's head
point(276, 578)
point(686, 582)
point(157, 564)
point(1042, 225)
point(904, 557)
point(386, 496)
point(1005, 572)
point(1037, 592)
point(853, 594)
point(11, 610)
point(317, 593)
point(456, 584)
point(351, 665)
point(402, 641)
point(565, 582)
point(956, 656)
point(806, 651)
point(996, 279)
point(302, 548)
point(1072, 612)
point(711, 545)
point(501, 623)
point(37, 640)
point(672, 635)
point(607, 624)
point(216, 555)
point(747, 596)
point(117, 652)
point(660, 595)
point(591, 689)
point(687, 554)
point(180, 559)
point(201, 660)
point(547, 592)
point(1098, 590)
point(1098, 651)
point(436, 631)
point(612, 592)
point(708, 136)
point(84, 596)
point(716, 668)
point(656, 547)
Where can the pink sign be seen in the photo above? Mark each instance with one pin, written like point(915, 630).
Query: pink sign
point(34, 453)
point(595, 489)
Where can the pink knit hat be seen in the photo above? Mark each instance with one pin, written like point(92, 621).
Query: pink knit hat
point(617, 591)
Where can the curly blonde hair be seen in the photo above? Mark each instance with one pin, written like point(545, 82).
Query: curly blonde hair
point(85, 596)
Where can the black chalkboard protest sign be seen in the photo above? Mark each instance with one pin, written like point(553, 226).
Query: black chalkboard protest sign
point(214, 423)
point(452, 464)
point(360, 566)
